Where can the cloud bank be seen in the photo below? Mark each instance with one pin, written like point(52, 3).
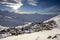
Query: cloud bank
point(50, 10)
point(14, 4)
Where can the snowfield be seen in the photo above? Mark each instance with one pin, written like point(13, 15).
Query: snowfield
point(56, 19)
point(53, 34)
point(42, 35)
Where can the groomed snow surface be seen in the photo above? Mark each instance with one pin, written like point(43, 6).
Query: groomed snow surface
point(41, 35)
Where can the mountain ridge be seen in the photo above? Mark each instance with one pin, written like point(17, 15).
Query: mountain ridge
point(56, 19)
point(11, 19)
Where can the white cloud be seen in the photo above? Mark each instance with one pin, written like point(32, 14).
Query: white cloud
point(14, 4)
point(32, 2)
point(50, 10)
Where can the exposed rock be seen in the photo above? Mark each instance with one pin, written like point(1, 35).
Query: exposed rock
point(49, 37)
point(54, 37)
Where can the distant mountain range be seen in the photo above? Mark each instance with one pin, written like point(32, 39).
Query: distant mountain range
point(11, 19)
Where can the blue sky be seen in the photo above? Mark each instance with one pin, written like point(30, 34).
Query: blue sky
point(38, 6)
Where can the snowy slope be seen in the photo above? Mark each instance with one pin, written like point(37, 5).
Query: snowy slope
point(42, 35)
point(56, 19)
point(1, 27)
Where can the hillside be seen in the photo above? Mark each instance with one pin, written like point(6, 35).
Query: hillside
point(42, 35)
point(53, 34)
point(56, 19)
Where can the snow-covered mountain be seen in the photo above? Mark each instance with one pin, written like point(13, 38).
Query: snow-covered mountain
point(42, 35)
point(11, 19)
point(53, 34)
point(56, 19)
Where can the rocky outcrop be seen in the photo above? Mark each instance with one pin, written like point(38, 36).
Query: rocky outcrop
point(30, 28)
